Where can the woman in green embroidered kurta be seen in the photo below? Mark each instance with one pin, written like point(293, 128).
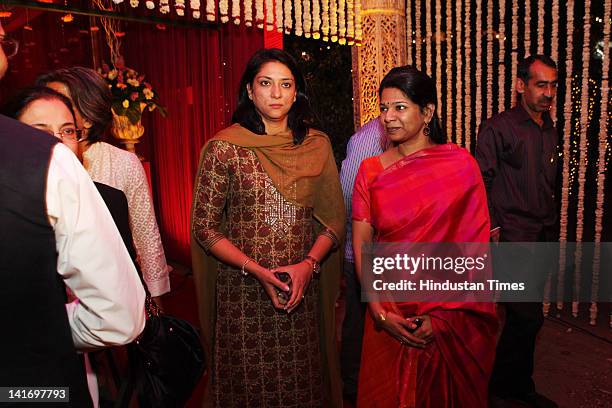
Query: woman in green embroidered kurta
point(267, 199)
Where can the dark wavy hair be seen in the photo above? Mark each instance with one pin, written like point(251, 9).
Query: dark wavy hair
point(301, 116)
point(91, 97)
point(19, 102)
point(421, 90)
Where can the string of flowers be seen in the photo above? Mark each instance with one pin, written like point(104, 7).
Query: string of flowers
point(333, 20)
point(567, 128)
point(269, 15)
point(150, 5)
point(417, 27)
point(478, 101)
point(427, 37)
point(278, 15)
point(459, 91)
point(325, 22)
point(489, 59)
point(409, 33)
point(223, 10)
point(468, 90)
point(601, 167)
point(584, 126)
point(316, 19)
point(341, 22)
point(248, 12)
point(164, 6)
point(514, 51)
point(527, 27)
point(438, 34)
point(501, 74)
point(350, 24)
point(449, 71)
point(288, 19)
point(540, 28)
point(554, 47)
point(210, 9)
point(307, 18)
point(236, 11)
point(133, 3)
point(259, 14)
point(298, 17)
point(358, 31)
point(195, 8)
point(179, 7)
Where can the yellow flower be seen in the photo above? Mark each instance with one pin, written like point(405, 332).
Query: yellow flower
point(148, 94)
point(112, 74)
point(133, 82)
point(126, 103)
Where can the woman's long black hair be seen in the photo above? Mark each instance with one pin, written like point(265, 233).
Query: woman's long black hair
point(301, 116)
point(421, 90)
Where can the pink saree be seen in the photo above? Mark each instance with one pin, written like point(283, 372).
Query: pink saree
point(434, 195)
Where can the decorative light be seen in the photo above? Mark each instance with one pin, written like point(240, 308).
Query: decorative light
point(67, 18)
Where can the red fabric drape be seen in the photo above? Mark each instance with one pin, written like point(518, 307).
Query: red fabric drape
point(196, 73)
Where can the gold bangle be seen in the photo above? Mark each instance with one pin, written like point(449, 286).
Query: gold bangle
point(244, 264)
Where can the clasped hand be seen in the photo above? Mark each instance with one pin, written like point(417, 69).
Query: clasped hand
point(400, 329)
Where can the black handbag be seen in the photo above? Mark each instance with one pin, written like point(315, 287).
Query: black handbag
point(166, 360)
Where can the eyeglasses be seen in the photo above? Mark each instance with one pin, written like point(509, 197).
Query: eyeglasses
point(71, 134)
point(9, 45)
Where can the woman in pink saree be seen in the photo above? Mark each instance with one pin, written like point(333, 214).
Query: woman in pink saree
point(421, 190)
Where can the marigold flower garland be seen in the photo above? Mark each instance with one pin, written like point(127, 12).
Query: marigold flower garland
point(236, 11)
point(325, 22)
point(269, 15)
point(468, 62)
point(259, 13)
point(248, 12)
point(459, 91)
point(449, 71)
point(223, 11)
point(288, 20)
point(490, 67)
point(419, 41)
point(478, 101)
point(409, 33)
point(307, 18)
point(350, 24)
point(298, 17)
point(427, 37)
point(341, 22)
point(438, 35)
point(333, 20)
point(195, 8)
point(501, 74)
point(210, 9)
point(278, 15)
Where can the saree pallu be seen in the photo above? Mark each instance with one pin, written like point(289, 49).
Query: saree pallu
point(434, 195)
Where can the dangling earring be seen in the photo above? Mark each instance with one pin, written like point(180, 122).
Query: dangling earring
point(426, 130)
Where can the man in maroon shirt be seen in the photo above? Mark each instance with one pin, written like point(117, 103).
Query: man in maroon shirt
point(517, 155)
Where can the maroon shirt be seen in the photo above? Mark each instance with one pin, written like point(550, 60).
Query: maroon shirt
point(518, 161)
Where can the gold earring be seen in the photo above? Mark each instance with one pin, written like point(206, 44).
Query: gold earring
point(426, 130)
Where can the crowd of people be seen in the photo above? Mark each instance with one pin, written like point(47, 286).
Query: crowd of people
point(274, 227)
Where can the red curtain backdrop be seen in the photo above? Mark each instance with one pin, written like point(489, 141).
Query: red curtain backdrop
point(196, 73)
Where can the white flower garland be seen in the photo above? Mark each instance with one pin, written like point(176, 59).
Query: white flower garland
point(478, 101)
point(316, 19)
point(298, 17)
point(601, 168)
point(341, 22)
point(358, 31)
point(459, 91)
point(278, 15)
point(409, 36)
point(325, 25)
point(514, 52)
point(269, 15)
point(248, 12)
point(438, 35)
point(223, 11)
point(449, 72)
point(489, 59)
point(418, 36)
point(333, 20)
point(288, 20)
point(236, 11)
point(527, 27)
point(259, 13)
point(583, 151)
point(567, 129)
point(501, 74)
point(210, 10)
point(468, 63)
point(540, 29)
point(428, 37)
point(195, 8)
point(150, 5)
point(307, 18)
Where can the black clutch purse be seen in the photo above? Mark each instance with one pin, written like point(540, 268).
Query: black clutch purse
point(166, 360)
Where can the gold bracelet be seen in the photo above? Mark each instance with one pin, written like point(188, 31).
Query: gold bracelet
point(244, 264)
